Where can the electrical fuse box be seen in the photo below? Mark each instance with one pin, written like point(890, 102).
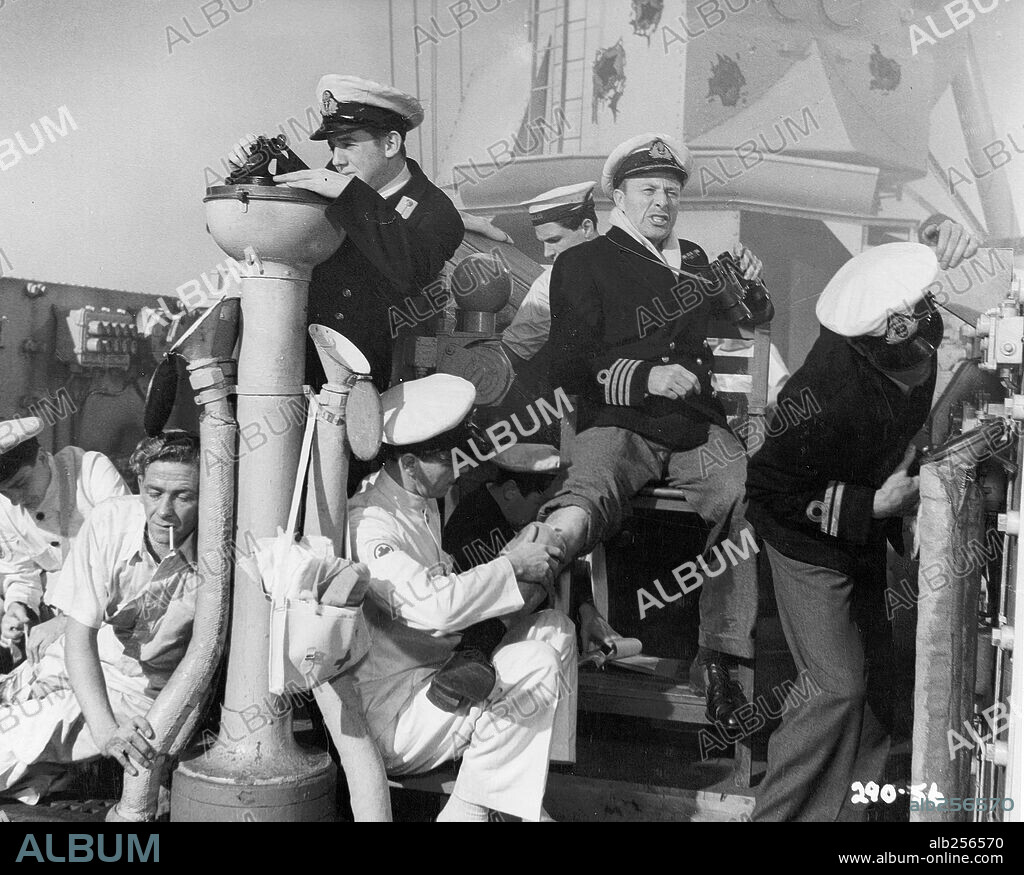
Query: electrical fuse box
point(97, 337)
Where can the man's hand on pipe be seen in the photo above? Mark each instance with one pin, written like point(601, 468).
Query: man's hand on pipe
point(898, 496)
point(127, 743)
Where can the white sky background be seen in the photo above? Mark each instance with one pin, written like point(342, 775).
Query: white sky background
point(118, 202)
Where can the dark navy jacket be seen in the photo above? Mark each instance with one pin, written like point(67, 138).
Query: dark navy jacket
point(384, 260)
point(841, 429)
point(616, 313)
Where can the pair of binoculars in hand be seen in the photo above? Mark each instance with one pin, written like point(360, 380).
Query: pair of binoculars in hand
point(256, 169)
point(739, 299)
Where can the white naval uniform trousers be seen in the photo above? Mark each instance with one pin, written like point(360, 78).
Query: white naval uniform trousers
point(416, 609)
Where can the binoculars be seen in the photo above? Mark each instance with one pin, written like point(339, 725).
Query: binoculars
point(739, 299)
point(256, 169)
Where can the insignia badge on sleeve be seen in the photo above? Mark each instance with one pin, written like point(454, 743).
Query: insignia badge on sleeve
point(382, 550)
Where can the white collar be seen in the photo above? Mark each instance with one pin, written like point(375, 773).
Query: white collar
point(670, 255)
point(396, 184)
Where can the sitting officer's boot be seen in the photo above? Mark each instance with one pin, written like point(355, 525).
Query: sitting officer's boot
point(466, 678)
point(723, 695)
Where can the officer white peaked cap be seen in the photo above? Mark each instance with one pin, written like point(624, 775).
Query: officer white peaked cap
point(348, 101)
point(422, 409)
point(529, 459)
point(339, 348)
point(865, 291)
point(645, 153)
point(17, 431)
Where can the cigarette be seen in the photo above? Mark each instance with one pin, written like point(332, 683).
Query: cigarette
point(170, 532)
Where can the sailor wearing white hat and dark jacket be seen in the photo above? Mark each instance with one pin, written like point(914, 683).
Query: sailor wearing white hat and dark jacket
point(822, 494)
point(417, 607)
point(400, 228)
point(561, 218)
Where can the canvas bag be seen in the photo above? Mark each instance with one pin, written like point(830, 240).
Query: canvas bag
point(310, 643)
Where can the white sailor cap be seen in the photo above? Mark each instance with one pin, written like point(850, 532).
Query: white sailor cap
point(560, 203)
point(348, 103)
point(16, 431)
point(524, 458)
point(876, 287)
point(643, 155)
point(418, 410)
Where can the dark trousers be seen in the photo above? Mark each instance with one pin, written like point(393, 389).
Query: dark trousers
point(610, 465)
point(838, 731)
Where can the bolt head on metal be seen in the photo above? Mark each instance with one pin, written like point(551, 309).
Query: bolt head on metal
point(1009, 522)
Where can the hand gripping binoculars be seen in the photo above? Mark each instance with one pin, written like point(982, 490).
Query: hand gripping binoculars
point(739, 299)
point(256, 169)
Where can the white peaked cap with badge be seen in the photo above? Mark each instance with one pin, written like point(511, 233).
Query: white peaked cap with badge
point(419, 410)
point(16, 431)
point(888, 279)
point(348, 102)
point(645, 154)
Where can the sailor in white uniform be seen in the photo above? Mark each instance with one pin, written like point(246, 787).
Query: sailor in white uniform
point(44, 499)
point(417, 607)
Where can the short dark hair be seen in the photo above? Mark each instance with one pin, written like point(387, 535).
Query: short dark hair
point(173, 445)
point(25, 454)
point(379, 134)
point(575, 221)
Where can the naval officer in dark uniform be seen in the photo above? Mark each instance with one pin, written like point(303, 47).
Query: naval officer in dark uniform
point(822, 494)
point(628, 333)
point(400, 229)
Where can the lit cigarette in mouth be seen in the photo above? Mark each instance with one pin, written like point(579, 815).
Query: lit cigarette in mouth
point(170, 535)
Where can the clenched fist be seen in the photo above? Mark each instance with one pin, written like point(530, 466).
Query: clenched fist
point(672, 381)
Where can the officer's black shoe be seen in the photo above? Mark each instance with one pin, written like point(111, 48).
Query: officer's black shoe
point(466, 678)
point(724, 698)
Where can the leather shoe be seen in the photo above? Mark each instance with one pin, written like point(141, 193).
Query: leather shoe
point(724, 698)
point(466, 678)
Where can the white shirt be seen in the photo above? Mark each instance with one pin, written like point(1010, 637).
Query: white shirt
point(396, 184)
point(416, 605)
point(32, 548)
point(112, 579)
point(532, 323)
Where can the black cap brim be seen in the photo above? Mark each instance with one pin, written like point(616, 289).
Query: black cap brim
point(651, 170)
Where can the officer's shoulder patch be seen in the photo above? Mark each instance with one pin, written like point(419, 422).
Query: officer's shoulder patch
point(382, 550)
